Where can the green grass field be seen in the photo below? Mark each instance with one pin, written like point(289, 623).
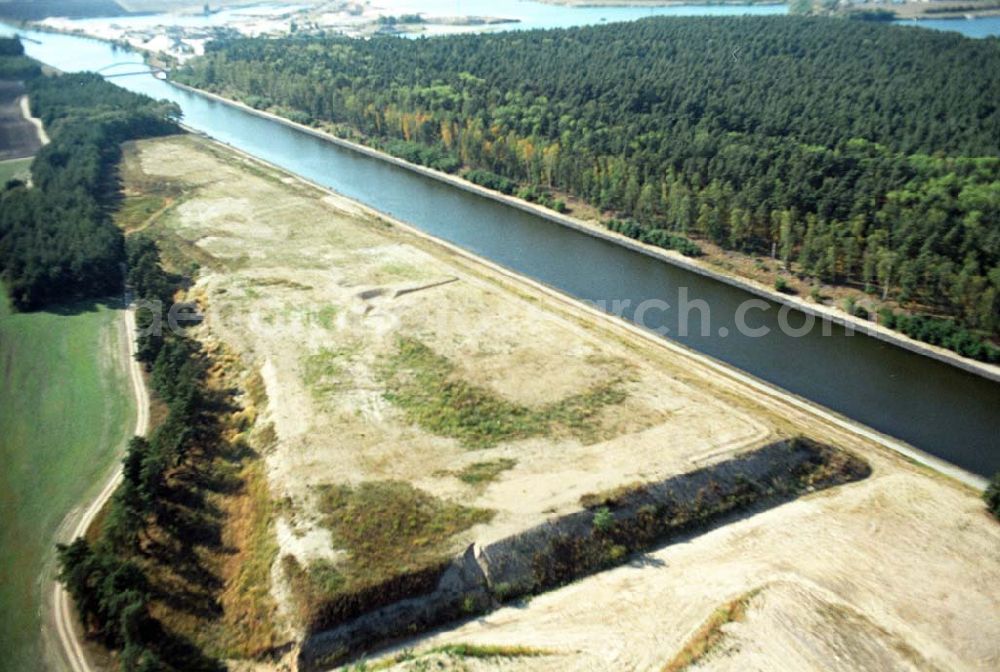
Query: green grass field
point(15, 168)
point(66, 408)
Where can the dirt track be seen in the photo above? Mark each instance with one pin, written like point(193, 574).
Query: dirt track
point(19, 137)
point(64, 616)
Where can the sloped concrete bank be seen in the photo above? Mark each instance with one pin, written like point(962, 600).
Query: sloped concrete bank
point(603, 534)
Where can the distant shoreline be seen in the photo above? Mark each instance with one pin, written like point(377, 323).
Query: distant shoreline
point(657, 3)
point(914, 10)
point(952, 16)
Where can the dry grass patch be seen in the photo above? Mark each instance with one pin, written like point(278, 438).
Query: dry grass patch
point(432, 394)
point(249, 610)
point(137, 210)
point(475, 651)
point(710, 635)
point(480, 473)
point(389, 527)
point(397, 541)
point(324, 372)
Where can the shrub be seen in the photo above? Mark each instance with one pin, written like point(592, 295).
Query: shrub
point(503, 591)
point(604, 520)
point(433, 156)
point(670, 241)
point(529, 193)
point(658, 237)
point(943, 332)
point(485, 178)
point(992, 496)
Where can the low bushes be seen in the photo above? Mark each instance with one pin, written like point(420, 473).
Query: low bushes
point(943, 332)
point(658, 237)
point(530, 193)
point(485, 178)
point(433, 156)
point(781, 284)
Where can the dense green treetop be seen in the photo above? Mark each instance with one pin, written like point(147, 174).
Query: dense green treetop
point(11, 46)
point(57, 240)
point(818, 81)
point(13, 63)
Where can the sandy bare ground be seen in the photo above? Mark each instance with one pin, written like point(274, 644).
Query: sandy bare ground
point(43, 136)
point(300, 281)
point(898, 571)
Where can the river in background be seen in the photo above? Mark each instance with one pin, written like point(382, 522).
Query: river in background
point(935, 407)
point(979, 27)
point(528, 14)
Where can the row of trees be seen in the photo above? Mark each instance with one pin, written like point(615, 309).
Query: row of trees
point(11, 46)
point(108, 579)
point(865, 154)
point(57, 240)
point(13, 63)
